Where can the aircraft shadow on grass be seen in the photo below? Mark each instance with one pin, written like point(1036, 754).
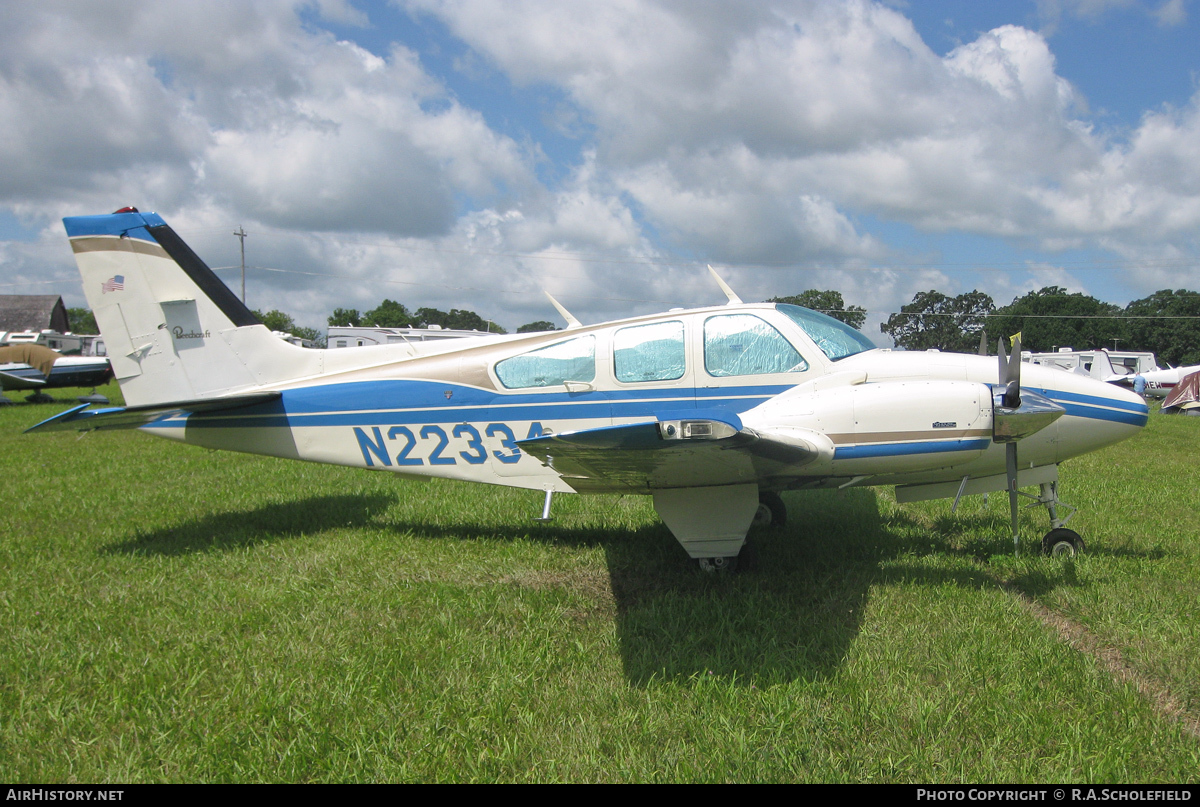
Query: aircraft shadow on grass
point(794, 616)
point(239, 529)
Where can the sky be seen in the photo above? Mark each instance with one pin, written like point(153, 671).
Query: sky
point(475, 153)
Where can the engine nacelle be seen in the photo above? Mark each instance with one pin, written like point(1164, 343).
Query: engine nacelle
point(889, 427)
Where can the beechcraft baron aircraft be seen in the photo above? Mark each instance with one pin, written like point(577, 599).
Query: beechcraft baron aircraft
point(711, 411)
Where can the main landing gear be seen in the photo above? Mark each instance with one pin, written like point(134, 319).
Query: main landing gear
point(771, 512)
point(1060, 542)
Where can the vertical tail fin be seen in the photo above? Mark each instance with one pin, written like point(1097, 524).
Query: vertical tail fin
point(1102, 368)
point(174, 331)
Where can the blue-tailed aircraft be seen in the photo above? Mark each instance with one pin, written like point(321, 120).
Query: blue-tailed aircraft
point(713, 411)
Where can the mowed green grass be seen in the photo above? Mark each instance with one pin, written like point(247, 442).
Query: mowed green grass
point(173, 614)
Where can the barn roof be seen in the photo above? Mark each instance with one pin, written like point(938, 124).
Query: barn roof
point(33, 312)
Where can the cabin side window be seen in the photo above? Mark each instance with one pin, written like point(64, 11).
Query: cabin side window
point(654, 352)
point(743, 344)
point(573, 360)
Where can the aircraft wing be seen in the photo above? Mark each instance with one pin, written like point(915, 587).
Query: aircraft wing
point(693, 448)
point(11, 381)
point(132, 417)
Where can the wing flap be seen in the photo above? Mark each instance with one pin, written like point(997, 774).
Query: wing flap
point(132, 417)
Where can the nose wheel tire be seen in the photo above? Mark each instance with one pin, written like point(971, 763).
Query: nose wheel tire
point(1062, 543)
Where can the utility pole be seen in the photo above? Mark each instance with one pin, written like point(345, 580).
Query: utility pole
point(241, 234)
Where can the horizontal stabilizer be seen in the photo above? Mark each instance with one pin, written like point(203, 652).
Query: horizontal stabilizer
point(11, 382)
point(132, 417)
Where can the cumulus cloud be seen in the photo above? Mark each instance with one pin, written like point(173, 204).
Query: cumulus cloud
point(763, 136)
point(251, 108)
point(756, 135)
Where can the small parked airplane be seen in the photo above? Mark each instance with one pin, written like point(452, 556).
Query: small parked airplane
point(712, 411)
point(38, 368)
point(1159, 383)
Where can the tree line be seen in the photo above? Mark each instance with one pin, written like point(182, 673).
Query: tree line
point(1167, 322)
point(391, 314)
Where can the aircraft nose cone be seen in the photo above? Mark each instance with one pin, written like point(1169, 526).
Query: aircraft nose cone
point(1098, 414)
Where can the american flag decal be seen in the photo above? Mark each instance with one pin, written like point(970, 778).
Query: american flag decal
point(114, 283)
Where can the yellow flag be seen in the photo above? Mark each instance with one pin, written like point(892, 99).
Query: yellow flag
point(1012, 340)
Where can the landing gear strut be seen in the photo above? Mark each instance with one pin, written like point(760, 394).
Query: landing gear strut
point(1059, 542)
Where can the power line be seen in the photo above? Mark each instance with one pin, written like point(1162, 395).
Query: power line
point(998, 266)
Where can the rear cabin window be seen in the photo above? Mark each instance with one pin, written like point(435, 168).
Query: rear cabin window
point(649, 352)
point(574, 360)
point(743, 344)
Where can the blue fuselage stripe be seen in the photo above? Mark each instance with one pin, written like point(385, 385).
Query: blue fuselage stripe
point(1096, 408)
point(400, 402)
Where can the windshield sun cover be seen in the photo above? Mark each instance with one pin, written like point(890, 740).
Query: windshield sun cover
point(836, 339)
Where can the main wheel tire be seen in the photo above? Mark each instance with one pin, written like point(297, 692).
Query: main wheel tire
point(1062, 543)
point(772, 512)
point(719, 565)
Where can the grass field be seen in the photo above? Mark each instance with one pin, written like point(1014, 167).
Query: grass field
point(173, 614)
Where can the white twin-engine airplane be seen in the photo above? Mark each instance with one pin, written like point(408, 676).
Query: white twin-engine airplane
point(712, 411)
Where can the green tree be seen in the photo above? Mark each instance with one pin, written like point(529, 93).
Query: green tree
point(345, 316)
point(311, 334)
point(276, 320)
point(81, 320)
point(388, 314)
point(1053, 317)
point(827, 302)
point(933, 320)
point(456, 319)
point(1174, 341)
point(534, 327)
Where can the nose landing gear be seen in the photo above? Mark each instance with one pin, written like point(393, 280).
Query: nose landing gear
point(1059, 542)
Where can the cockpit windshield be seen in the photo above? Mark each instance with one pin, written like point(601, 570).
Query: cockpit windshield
point(836, 339)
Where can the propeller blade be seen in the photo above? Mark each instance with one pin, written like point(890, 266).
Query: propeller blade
point(1014, 362)
point(1010, 470)
point(983, 342)
point(1010, 373)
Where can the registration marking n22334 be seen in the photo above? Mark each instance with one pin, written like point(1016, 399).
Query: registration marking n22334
point(433, 444)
